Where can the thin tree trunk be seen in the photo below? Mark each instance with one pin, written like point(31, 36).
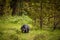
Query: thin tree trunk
point(2, 4)
point(41, 20)
point(13, 5)
point(54, 20)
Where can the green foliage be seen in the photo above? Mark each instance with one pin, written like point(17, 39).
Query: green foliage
point(34, 13)
point(17, 19)
point(40, 37)
point(43, 11)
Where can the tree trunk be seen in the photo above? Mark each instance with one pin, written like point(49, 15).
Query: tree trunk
point(2, 4)
point(54, 20)
point(13, 5)
point(41, 20)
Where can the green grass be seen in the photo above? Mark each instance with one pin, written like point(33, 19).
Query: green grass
point(10, 30)
point(32, 35)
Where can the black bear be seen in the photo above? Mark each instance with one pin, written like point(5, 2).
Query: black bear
point(25, 28)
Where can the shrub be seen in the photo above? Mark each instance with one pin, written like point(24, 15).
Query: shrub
point(40, 37)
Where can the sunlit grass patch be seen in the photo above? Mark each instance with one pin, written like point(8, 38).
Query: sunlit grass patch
point(10, 30)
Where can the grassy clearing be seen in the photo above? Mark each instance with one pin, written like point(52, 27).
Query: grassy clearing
point(32, 35)
point(10, 30)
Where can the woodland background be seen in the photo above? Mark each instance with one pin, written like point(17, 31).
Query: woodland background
point(43, 17)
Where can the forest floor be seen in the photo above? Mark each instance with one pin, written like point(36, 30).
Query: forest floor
point(10, 30)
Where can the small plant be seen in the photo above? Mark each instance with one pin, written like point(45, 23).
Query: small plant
point(40, 37)
point(14, 37)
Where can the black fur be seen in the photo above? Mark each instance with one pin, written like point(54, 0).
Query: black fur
point(25, 28)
